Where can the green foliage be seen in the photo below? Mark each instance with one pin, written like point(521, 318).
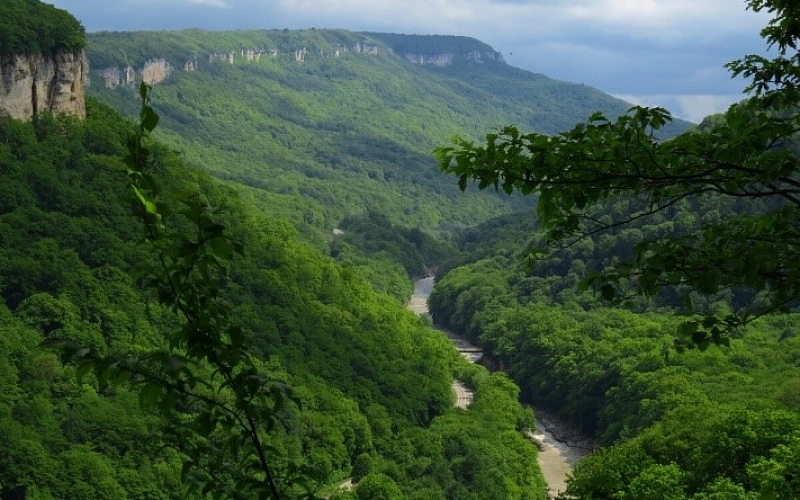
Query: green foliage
point(240, 400)
point(378, 487)
point(475, 454)
point(335, 137)
point(749, 447)
point(741, 157)
point(374, 235)
point(432, 44)
point(365, 372)
point(687, 424)
point(31, 27)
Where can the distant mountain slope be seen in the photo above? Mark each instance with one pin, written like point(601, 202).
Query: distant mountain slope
point(531, 100)
point(322, 124)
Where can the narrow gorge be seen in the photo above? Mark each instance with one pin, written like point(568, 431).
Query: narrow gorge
point(557, 452)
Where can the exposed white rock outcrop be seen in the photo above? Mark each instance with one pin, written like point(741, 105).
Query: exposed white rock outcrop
point(366, 48)
point(33, 84)
point(156, 71)
point(446, 59)
point(111, 77)
point(482, 57)
point(438, 60)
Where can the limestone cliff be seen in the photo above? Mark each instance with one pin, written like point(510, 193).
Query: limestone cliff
point(446, 59)
point(438, 60)
point(33, 84)
point(156, 71)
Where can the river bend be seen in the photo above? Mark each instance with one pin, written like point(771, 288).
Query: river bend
point(556, 456)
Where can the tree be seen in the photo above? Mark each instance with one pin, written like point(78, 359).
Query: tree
point(747, 156)
point(32, 27)
point(378, 486)
point(220, 402)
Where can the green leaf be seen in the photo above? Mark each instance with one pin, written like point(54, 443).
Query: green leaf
point(148, 205)
point(150, 394)
point(149, 119)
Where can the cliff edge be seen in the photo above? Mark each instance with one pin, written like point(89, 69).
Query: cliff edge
point(32, 84)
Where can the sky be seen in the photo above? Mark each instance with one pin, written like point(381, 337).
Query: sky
point(667, 53)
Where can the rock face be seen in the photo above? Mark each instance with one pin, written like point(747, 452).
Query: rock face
point(447, 59)
point(438, 60)
point(156, 71)
point(487, 56)
point(113, 77)
point(37, 83)
point(366, 48)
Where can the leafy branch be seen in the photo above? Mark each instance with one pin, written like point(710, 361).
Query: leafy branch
point(750, 154)
point(216, 395)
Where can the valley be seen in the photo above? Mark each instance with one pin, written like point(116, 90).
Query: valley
point(213, 258)
point(558, 452)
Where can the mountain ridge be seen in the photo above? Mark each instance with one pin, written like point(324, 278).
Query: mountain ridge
point(321, 137)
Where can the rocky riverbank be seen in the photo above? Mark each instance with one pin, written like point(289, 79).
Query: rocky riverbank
point(559, 447)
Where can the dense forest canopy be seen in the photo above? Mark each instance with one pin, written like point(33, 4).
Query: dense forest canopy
point(705, 224)
point(342, 133)
point(32, 27)
point(685, 425)
point(163, 337)
point(744, 156)
point(369, 382)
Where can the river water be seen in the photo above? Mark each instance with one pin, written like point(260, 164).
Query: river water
point(557, 451)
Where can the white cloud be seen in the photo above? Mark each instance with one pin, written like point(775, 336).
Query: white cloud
point(428, 16)
point(211, 3)
point(690, 107)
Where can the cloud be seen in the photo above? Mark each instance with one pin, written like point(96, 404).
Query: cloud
point(690, 107)
point(211, 3)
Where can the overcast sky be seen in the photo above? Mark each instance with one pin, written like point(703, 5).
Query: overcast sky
point(655, 52)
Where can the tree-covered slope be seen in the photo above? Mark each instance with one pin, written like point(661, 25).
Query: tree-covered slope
point(32, 27)
point(348, 130)
point(692, 390)
point(697, 424)
point(371, 381)
point(716, 422)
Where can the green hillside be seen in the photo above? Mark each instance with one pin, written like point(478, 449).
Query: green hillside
point(652, 299)
point(348, 130)
point(716, 422)
point(177, 319)
point(349, 383)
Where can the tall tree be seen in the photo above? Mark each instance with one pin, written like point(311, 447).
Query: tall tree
point(218, 398)
point(747, 155)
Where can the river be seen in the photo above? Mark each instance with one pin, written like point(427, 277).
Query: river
point(557, 453)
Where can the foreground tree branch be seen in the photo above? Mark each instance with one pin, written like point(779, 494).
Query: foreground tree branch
point(749, 154)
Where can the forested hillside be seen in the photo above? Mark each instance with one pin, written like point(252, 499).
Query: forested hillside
point(320, 125)
point(29, 28)
point(652, 297)
point(164, 337)
point(371, 382)
point(697, 423)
